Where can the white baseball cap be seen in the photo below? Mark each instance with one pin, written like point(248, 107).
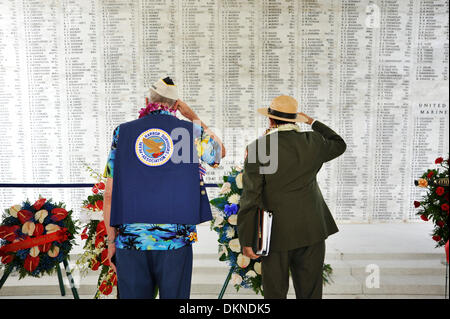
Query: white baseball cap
point(166, 88)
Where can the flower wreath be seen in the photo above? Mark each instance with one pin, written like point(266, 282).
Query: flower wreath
point(246, 272)
point(35, 238)
point(95, 254)
point(435, 204)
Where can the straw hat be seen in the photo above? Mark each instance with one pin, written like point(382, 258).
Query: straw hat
point(283, 108)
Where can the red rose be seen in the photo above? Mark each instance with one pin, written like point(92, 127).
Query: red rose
point(95, 190)
point(7, 259)
point(99, 204)
point(424, 217)
point(445, 207)
point(436, 238)
point(58, 214)
point(38, 229)
point(430, 174)
point(440, 190)
point(24, 215)
point(39, 203)
point(440, 223)
point(416, 204)
point(439, 160)
point(8, 232)
point(31, 263)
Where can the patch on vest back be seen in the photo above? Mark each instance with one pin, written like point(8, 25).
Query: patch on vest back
point(154, 147)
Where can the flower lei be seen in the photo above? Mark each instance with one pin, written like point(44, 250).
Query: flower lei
point(95, 255)
point(435, 204)
point(35, 238)
point(152, 107)
point(246, 271)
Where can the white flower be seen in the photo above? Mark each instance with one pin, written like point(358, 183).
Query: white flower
point(54, 251)
point(243, 261)
point(226, 188)
point(34, 251)
point(218, 221)
point(235, 245)
point(28, 228)
point(232, 220)
point(257, 267)
point(236, 279)
point(234, 199)
point(223, 250)
point(230, 232)
point(239, 181)
point(40, 215)
point(51, 228)
point(13, 210)
point(251, 274)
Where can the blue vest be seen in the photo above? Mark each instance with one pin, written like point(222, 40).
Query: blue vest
point(148, 186)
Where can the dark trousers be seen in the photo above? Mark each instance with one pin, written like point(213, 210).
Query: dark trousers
point(140, 272)
point(305, 264)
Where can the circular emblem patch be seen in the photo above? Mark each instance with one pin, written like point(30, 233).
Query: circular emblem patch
point(154, 147)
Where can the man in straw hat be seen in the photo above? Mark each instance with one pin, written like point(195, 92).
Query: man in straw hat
point(301, 218)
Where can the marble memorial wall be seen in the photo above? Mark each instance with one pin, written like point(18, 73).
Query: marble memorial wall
point(375, 71)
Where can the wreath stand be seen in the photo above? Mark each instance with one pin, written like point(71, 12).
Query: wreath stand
point(225, 284)
point(60, 279)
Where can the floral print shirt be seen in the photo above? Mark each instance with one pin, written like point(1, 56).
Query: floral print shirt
point(142, 236)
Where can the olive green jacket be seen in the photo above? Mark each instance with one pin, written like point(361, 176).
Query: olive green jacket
point(300, 215)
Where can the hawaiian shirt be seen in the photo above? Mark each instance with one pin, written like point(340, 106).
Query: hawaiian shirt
point(143, 236)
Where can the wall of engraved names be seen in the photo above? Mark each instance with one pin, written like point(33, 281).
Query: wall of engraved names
point(376, 71)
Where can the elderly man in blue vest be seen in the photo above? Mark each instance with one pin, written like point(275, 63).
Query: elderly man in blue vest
point(155, 195)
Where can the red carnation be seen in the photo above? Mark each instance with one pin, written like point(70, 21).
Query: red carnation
point(95, 190)
point(440, 190)
point(439, 160)
point(445, 207)
point(24, 215)
point(58, 214)
point(39, 203)
point(440, 223)
point(416, 204)
point(436, 238)
point(31, 263)
point(424, 217)
point(7, 259)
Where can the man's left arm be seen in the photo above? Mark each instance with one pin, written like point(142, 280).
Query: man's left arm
point(250, 201)
point(111, 231)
